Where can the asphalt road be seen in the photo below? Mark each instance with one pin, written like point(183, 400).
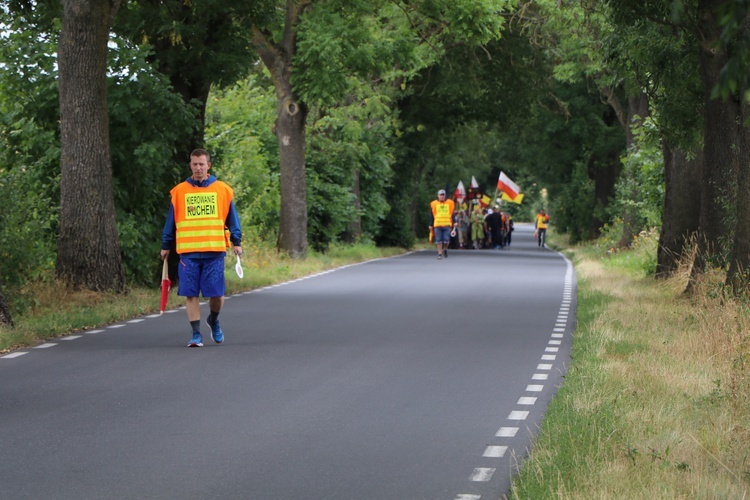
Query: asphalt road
point(400, 378)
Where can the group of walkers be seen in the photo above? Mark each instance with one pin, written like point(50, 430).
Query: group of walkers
point(479, 228)
point(475, 229)
point(483, 228)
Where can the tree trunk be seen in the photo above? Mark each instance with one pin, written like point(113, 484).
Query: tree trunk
point(290, 132)
point(5, 317)
point(721, 146)
point(291, 115)
point(604, 173)
point(738, 276)
point(682, 196)
point(354, 230)
point(88, 247)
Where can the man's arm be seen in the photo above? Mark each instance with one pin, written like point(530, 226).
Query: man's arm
point(168, 233)
point(235, 232)
point(233, 224)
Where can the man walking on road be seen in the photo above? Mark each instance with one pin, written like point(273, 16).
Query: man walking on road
point(441, 222)
point(202, 207)
point(542, 219)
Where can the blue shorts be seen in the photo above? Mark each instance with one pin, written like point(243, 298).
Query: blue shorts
point(442, 234)
point(204, 276)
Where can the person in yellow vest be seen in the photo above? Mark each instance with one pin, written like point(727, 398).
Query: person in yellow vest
point(201, 209)
point(542, 221)
point(441, 222)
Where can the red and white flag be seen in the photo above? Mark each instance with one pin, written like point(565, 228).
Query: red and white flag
point(474, 183)
point(507, 186)
point(460, 193)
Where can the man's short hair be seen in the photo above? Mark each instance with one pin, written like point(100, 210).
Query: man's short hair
point(201, 152)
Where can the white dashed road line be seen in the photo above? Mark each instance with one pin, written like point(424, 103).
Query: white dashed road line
point(14, 355)
point(507, 432)
point(482, 474)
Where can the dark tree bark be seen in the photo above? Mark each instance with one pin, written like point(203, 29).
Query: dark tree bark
point(88, 246)
point(603, 171)
point(5, 316)
point(354, 230)
point(721, 133)
point(291, 115)
point(738, 276)
point(682, 178)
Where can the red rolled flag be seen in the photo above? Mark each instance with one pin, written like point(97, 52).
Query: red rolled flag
point(166, 284)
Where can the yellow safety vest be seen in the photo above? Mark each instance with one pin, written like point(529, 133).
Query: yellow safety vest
point(200, 214)
point(442, 213)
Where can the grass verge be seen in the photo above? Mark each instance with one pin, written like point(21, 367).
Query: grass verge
point(656, 402)
point(59, 312)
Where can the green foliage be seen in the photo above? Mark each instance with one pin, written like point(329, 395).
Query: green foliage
point(352, 145)
point(195, 42)
point(338, 39)
point(735, 38)
point(146, 120)
point(239, 120)
point(29, 157)
point(639, 257)
point(639, 192)
point(27, 249)
point(574, 205)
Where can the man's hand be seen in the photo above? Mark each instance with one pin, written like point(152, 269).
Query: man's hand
point(237, 250)
point(164, 254)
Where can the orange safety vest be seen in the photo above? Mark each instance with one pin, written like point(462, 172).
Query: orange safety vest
point(200, 214)
point(442, 213)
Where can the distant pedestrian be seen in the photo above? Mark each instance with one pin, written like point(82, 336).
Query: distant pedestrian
point(495, 225)
point(441, 222)
point(463, 228)
point(541, 223)
point(477, 227)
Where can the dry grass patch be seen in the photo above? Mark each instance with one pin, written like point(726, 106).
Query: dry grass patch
point(655, 404)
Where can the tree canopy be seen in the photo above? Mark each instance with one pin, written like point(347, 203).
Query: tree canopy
point(338, 120)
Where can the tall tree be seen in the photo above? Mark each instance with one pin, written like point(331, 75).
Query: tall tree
point(320, 43)
point(682, 177)
point(291, 114)
point(88, 246)
point(733, 80)
point(721, 136)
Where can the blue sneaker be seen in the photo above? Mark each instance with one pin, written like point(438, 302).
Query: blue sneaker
point(197, 340)
point(216, 334)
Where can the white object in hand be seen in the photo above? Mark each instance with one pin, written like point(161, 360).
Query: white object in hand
point(238, 268)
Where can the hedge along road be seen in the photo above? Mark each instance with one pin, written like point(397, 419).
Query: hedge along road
point(408, 377)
